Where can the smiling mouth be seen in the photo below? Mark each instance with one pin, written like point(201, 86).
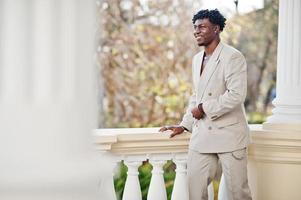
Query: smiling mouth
point(198, 37)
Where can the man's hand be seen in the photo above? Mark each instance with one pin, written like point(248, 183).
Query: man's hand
point(196, 113)
point(176, 129)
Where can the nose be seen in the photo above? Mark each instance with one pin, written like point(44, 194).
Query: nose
point(197, 29)
point(196, 32)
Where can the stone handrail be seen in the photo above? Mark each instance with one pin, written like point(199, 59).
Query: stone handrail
point(274, 154)
point(134, 145)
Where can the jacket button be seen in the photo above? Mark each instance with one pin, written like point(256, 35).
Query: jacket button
point(209, 128)
point(209, 93)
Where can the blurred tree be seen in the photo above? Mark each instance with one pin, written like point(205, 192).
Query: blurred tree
point(145, 51)
point(255, 34)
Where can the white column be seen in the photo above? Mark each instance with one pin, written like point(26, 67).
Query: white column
point(14, 50)
point(180, 188)
point(132, 190)
point(288, 89)
point(45, 139)
point(157, 189)
point(44, 48)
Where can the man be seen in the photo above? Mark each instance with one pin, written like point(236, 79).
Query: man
point(215, 114)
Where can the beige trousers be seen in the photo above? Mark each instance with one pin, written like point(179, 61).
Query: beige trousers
point(202, 168)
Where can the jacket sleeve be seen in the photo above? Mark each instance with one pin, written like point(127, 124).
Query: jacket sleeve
point(187, 120)
point(235, 73)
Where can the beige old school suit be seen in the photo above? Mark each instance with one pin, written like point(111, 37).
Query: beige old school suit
point(223, 133)
point(222, 89)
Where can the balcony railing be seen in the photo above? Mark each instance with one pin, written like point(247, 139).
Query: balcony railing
point(274, 161)
point(135, 145)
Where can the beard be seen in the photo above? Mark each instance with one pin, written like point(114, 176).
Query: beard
point(201, 42)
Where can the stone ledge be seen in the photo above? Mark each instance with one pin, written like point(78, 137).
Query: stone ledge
point(266, 146)
point(134, 141)
point(275, 145)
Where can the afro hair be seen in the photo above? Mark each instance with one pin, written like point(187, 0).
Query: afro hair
point(214, 16)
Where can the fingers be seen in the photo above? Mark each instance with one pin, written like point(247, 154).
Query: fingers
point(165, 128)
point(162, 129)
point(193, 113)
point(198, 118)
point(196, 114)
point(174, 133)
point(175, 130)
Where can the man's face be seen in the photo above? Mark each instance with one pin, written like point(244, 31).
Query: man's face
point(204, 31)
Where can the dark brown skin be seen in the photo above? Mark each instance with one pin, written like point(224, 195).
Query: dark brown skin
point(176, 130)
point(207, 35)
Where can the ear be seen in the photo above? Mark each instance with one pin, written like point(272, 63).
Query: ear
point(217, 29)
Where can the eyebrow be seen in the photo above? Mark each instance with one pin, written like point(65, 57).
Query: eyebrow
point(198, 25)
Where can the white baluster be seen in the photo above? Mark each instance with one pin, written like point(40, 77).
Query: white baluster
point(132, 189)
point(107, 188)
point(180, 189)
point(210, 192)
point(222, 191)
point(157, 189)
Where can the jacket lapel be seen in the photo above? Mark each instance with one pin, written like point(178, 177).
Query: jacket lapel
point(208, 71)
point(196, 69)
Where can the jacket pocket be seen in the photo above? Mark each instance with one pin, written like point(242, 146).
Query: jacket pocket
point(239, 154)
point(225, 121)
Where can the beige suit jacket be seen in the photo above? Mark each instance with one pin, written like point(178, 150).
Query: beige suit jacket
point(222, 89)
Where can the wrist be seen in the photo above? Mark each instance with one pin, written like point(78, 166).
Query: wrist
point(184, 128)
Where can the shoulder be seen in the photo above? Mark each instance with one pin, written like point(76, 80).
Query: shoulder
point(198, 55)
point(229, 52)
point(232, 59)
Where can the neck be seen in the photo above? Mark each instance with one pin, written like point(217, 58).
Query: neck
point(210, 47)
